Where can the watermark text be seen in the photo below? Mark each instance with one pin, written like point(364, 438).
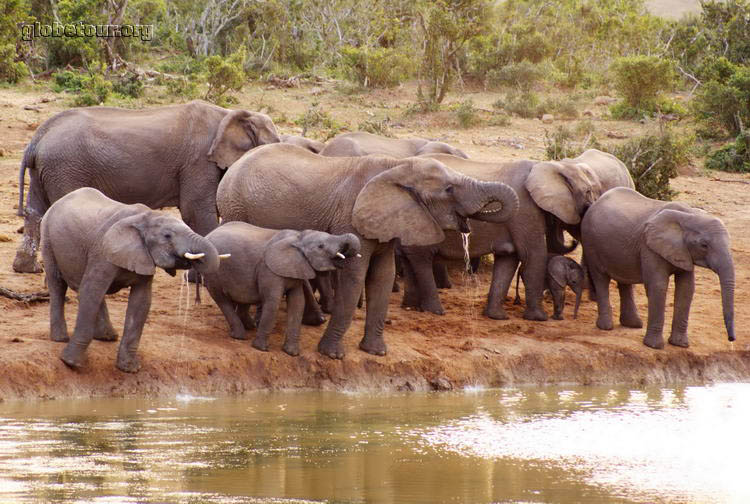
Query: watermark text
point(31, 31)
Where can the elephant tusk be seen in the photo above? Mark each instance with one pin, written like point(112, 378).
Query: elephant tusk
point(340, 255)
point(192, 257)
point(225, 256)
point(359, 255)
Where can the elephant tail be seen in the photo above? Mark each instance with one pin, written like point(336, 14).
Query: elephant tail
point(554, 232)
point(29, 156)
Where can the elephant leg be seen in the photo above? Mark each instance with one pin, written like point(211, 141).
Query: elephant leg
point(683, 297)
point(57, 289)
point(533, 272)
point(517, 299)
point(313, 315)
point(558, 299)
point(232, 313)
point(243, 312)
point(271, 300)
point(104, 329)
point(348, 289)
point(411, 291)
point(139, 304)
point(94, 286)
point(325, 286)
point(474, 264)
point(26, 254)
point(601, 282)
point(656, 291)
point(588, 283)
point(377, 291)
point(295, 306)
point(428, 291)
point(503, 269)
point(628, 310)
point(440, 272)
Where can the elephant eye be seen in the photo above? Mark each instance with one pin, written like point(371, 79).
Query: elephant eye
point(167, 235)
point(449, 189)
point(320, 246)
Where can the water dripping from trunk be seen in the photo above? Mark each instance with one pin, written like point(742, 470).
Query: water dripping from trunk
point(472, 282)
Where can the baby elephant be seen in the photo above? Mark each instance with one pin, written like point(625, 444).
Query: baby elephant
point(561, 272)
point(98, 246)
point(265, 265)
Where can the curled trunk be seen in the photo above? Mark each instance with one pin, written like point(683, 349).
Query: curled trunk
point(197, 244)
point(490, 201)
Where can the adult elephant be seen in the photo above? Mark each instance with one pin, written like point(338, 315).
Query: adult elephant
point(633, 239)
point(361, 143)
point(546, 191)
point(165, 156)
point(380, 199)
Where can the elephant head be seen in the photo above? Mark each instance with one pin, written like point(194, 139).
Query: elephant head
point(419, 198)
point(149, 239)
point(304, 142)
point(685, 237)
point(563, 188)
point(564, 271)
point(441, 148)
point(238, 132)
point(299, 254)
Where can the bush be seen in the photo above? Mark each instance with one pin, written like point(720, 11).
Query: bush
point(375, 127)
point(224, 75)
point(526, 105)
point(723, 109)
point(129, 85)
point(182, 87)
point(563, 143)
point(641, 80)
point(563, 107)
point(734, 157)
point(320, 121)
point(466, 114)
point(67, 81)
point(10, 70)
point(375, 67)
point(522, 75)
point(94, 90)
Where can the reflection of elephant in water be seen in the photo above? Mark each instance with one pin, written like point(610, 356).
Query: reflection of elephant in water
point(546, 190)
point(165, 156)
point(98, 246)
point(380, 199)
point(265, 265)
point(561, 272)
point(304, 142)
point(361, 143)
point(633, 239)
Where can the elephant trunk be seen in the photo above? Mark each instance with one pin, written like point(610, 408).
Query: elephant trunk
point(490, 201)
point(726, 279)
point(579, 292)
point(208, 262)
point(349, 245)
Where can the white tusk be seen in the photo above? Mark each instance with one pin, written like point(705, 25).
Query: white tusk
point(192, 257)
point(340, 255)
point(225, 256)
point(359, 255)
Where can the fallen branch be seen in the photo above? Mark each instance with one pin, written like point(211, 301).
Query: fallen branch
point(35, 297)
point(729, 180)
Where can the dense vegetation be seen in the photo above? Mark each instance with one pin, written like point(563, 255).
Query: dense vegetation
point(521, 48)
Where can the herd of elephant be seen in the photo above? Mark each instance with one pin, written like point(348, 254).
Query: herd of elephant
point(298, 214)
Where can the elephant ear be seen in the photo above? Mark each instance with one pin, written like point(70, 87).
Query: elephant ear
point(665, 236)
point(558, 272)
point(238, 132)
point(124, 246)
point(556, 186)
point(389, 206)
point(283, 257)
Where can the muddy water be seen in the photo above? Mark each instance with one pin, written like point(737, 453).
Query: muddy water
point(519, 445)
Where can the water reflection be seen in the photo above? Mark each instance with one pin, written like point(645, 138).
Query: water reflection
point(530, 445)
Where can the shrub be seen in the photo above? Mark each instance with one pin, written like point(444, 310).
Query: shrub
point(522, 75)
point(376, 127)
point(724, 107)
point(526, 105)
point(10, 70)
point(499, 119)
point(319, 120)
point(641, 79)
point(224, 75)
point(734, 157)
point(375, 67)
point(563, 143)
point(182, 87)
point(67, 81)
point(564, 107)
point(94, 90)
point(466, 113)
point(128, 85)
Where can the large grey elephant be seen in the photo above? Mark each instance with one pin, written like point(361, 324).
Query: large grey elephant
point(165, 156)
point(633, 239)
point(379, 199)
point(97, 246)
point(550, 190)
point(361, 143)
point(265, 265)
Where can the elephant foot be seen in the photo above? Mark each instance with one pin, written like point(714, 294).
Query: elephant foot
point(517, 300)
point(73, 357)
point(330, 349)
point(631, 320)
point(396, 287)
point(605, 323)
point(106, 335)
point(238, 335)
point(557, 316)
point(61, 336)
point(496, 313)
point(374, 346)
point(679, 340)
point(535, 314)
point(444, 284)
point(435, 308)
point(653, 341)
point(291, 349)
point(247, 322)
point(128, 364)
point(313, 318)
point(260, 344)
point(26, 263)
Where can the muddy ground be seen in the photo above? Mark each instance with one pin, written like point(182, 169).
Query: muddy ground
point(186, 348)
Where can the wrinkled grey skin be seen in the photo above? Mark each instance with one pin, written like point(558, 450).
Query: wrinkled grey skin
point(163, 156)
point(361, 143)
point(379, 199)
point(265, 265)
point(97, 246)
point(304, 142)
point(546, 191)
point(633, 239)
point(561, 272)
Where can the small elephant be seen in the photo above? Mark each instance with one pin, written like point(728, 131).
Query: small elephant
point(265, 265)
point(633, 239)
point(304, 142)
point(361, 143)
point(97, 246)
point(562, 271)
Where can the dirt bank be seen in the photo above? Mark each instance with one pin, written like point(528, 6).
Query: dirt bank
point(189, 351)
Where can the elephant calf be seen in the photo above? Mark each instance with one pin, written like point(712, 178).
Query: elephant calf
point(633, 239)
point(98, 246)
point(562, 272)
point(265, 265)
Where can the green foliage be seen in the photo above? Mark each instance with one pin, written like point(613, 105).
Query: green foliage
point(522, 75)
point(129, 85)
point(94, 88)
point(567, 143)
point(723, 108)
point(67, 81)
point(563, 107)
point(11, 71)
point(224, 75)
point(182, 87)
point(376, 127)
point(320, 122)
point(526, 105)
point(733, 157)
point(466, 114)
point(375, 67)
point(11, 12)
point(641, 80)
point(76, 51)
